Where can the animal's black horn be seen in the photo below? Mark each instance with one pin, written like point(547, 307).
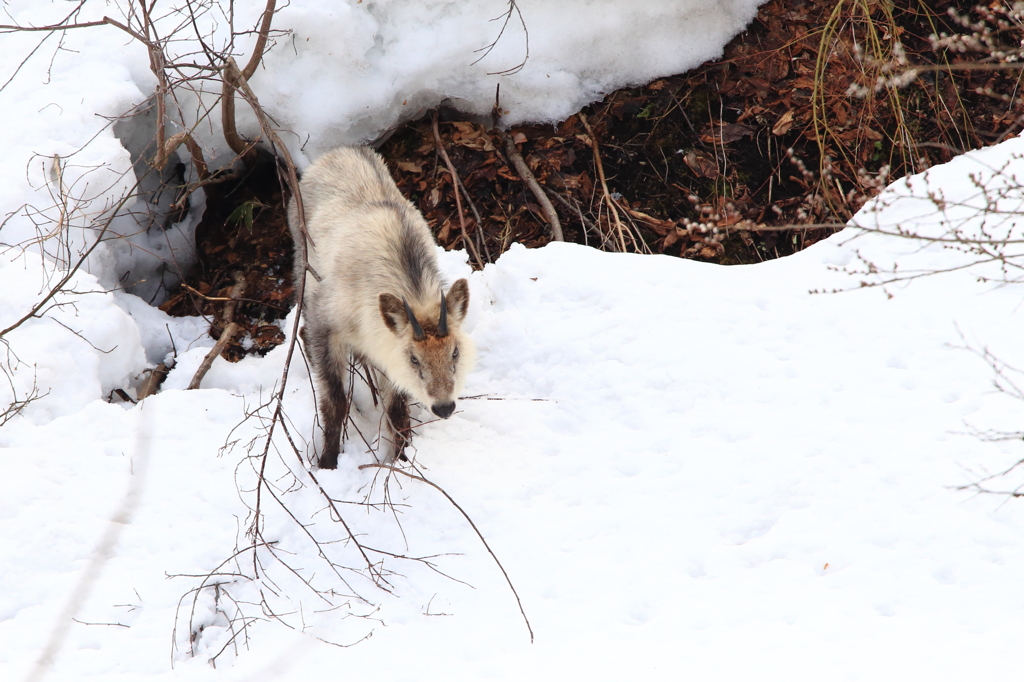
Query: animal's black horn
point(442, 324)
point(417, 330)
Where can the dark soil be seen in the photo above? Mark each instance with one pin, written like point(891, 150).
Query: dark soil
point(746, 159)
point(244, 229)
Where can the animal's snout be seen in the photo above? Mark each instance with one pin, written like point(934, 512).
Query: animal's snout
point(443, 410)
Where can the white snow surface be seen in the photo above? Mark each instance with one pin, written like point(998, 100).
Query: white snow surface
point(687, 471)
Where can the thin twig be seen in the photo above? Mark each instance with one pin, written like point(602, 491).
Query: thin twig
point(224, 299)
point(475, 529)
point(512, 6)
point(604, 183)
point(129, 196)
point(202, 585)
point(587, 222)
point(303, 244)
point(14, 28)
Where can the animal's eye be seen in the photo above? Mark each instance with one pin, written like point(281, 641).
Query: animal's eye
point(455, 353)
point(414, 361)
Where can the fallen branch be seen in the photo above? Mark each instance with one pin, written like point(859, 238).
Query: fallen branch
point(151, 384)
point(230, 329)
point(555, 228)
point(457, 183)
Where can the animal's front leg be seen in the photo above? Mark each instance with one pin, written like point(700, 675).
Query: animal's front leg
point(399, 429)
point(332, 405)
point(333, 401)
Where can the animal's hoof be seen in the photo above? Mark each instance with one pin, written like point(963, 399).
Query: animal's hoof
point(329, 461)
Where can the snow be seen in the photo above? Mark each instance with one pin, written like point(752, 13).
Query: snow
point(378, 55)
point(685, 469)
point(342, 75)
point(83, 348)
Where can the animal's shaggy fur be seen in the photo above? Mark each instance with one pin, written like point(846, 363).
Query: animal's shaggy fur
point(377, 260)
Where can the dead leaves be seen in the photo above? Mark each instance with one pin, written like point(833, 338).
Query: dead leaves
point(410, 166)
point(702, 164)
point(471, 136)
point(783, 125)
point(718, 133)
point(708, 148)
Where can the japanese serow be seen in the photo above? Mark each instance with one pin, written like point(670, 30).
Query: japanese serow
point(380, 298)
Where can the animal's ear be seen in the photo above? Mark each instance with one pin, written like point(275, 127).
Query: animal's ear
point(393, 312)
point(458, 300)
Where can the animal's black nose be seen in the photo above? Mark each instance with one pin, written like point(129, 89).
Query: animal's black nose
point(443, 410)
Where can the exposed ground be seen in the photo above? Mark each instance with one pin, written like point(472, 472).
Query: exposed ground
point(754, 157)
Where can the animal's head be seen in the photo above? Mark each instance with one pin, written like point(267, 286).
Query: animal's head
point(434, 354)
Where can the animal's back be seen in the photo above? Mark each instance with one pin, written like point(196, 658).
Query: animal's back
point(347, 177)
point(367, 239)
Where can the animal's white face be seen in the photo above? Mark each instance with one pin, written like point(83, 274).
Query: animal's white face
point(436, 355)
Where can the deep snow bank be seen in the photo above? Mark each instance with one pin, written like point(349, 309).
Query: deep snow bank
point(79, 348)
point(350, 72)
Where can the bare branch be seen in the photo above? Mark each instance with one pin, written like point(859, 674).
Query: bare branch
point(245, 150)
point(129, 196)
point(261, 41)
point(230, 329)
point(14, 28)
point(184, 137)
point(457, 183)
point(466, 516)
point(604, 183)
point(554, 226)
